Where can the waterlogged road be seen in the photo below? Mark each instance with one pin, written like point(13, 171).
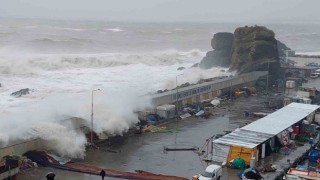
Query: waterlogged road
point(145, 152)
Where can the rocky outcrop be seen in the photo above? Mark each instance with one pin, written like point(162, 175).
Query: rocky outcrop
point(20, 92)
point(221, 55)
point(248, 49)
point(254, 48)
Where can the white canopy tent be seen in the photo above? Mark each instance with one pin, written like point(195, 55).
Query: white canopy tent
point(265, 128)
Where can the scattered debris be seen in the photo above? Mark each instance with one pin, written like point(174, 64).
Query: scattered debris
point(267, 168)
point(185, 115)
point(215, 102)
point(251, 173)
point(26, 163)
point(108, 150)
point(155, 129)
point(259, 114)
point(200, 113)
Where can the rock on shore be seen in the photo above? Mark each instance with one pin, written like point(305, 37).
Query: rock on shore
point(221, 55)
point(247, 49)
point(253, 49)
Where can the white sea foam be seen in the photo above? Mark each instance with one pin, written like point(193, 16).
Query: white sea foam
point(64, 141)
point(309, 53)
point(114, 29)
point(22, 64)
point(74, 29)
point(4, 139)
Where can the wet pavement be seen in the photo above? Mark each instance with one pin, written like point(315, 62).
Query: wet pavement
point(146, 151)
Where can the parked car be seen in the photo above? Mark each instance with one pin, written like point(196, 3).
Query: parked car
point(314, 75)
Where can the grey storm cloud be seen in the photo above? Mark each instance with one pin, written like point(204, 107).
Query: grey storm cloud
point(165, 10)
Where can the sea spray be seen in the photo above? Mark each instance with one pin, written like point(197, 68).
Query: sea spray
point(62, 140)
point(4, 140)
point(113, 114)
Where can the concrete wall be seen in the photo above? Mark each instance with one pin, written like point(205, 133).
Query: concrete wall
point(20, 148)
point(207, 90)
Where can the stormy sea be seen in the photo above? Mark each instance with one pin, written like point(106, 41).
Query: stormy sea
point(61, 62)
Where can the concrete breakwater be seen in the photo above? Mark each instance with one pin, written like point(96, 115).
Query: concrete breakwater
point(207, 90)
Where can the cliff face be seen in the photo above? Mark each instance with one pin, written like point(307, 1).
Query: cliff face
point(253, 49)
point(221, 55)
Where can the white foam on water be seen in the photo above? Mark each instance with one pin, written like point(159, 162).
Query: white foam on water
point(34, 63)
point(317, 53)
point(114, 29)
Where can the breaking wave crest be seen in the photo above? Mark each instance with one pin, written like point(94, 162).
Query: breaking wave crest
point(49, 41)
point(24, 64)
point(51, 121)
point(64, 141)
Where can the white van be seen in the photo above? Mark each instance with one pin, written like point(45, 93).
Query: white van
point(212, 172)
point(314, 75)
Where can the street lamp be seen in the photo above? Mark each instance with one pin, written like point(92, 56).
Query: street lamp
point(177, 93)
point(91, 134)
point(268, 77)
point(231, 89)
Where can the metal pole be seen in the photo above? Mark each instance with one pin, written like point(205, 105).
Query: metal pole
point(91, 134)
point(230, 89)
point(177, 95)
point(268, 77)
point(177, 87)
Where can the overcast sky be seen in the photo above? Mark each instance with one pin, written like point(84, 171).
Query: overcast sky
point(166, 10)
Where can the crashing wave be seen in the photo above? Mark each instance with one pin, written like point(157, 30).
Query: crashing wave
point(11, 64)
point(49, 41)
point(64, 141)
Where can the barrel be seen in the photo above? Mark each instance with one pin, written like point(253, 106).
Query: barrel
point(296, 130)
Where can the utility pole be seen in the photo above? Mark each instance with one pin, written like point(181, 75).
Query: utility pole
point(268, 77)
point(231, 86)
point(91, 132)
point(177, 109)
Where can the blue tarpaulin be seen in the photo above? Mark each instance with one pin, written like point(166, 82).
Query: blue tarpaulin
point(153, 117)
